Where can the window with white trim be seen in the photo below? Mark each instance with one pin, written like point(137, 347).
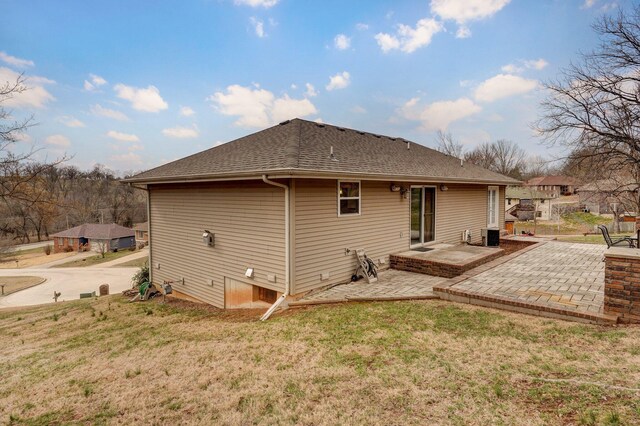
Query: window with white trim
point(348, 198)
point(492, 204)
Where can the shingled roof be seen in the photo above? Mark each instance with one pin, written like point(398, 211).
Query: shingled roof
point(302, 148)
point(96, 231)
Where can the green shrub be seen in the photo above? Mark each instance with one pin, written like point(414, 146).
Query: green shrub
point(142, 275)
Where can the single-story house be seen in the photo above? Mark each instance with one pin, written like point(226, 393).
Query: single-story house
point(94, 236)
point(281, 212)
point(553, 185)
point(142, 232)
point(525, 202)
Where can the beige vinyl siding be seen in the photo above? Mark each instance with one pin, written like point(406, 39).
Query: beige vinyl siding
point(461, 207)
point(321, 236)
point(501, 204)
point(247, 219)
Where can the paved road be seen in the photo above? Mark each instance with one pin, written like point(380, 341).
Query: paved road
point(69, 281)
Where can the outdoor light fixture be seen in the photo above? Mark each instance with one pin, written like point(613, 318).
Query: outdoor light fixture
point(249, 273)
point(394, 188)
point(404, 192)
point(208, 238)
point(444, 187)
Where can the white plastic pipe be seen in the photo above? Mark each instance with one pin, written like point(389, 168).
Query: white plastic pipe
point(287, 228)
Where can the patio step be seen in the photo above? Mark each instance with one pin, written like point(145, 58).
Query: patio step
point(448, 292)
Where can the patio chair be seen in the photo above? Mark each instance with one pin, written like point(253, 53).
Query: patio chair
point(607, 238)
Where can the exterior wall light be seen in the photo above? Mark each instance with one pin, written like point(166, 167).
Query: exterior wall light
point(395, 188)
point(404, 193)
point(249, 273)
point(208, 239)
point(444, 187)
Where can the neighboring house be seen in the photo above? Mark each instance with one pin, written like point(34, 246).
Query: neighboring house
point(525, 203)
point(94, 236)
point(602, 196)
point(281, 212)
point(142, 232)
point(554, 186)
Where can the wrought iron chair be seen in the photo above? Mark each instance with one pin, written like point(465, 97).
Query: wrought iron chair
point(607, 238)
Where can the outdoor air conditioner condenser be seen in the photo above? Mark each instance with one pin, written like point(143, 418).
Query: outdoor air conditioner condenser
point(490, 237)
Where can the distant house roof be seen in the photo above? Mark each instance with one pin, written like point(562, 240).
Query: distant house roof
point(302, 148)
point(524, 193)
point(551, 181)
point(144, 226)
point(609, 185)
point(508, 217)
point(96, 231)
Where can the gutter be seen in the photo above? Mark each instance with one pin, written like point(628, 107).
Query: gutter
point(287, 249)
point(146, 189)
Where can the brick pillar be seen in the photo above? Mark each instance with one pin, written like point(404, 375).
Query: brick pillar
point(622, 284)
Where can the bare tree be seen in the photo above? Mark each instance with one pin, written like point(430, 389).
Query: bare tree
point(446, 144)
point(482, 155)
point(509, 158)
point(593, 109)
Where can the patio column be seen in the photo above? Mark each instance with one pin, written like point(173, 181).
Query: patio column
point(622, 284)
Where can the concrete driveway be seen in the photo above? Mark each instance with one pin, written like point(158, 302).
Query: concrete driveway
point(68, 281)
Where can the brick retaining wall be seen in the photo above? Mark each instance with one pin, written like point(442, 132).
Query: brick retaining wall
point(438, 269)
point(622, 284)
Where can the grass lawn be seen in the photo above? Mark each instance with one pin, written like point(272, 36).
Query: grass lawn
point(32, 257)
point(429, 362)
point(138, 263)
point(13, 284)
point(588, 239)
point(97, 259)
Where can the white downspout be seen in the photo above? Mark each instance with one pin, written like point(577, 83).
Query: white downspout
point(287, 229)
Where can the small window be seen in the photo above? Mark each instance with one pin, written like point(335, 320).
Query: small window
point(538, 213)
point(509, 201)
point(348, 198)
point(60, 241)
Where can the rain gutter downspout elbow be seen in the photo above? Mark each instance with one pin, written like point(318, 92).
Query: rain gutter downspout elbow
point(287, 235)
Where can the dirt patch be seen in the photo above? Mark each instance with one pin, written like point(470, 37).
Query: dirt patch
point(31, 259)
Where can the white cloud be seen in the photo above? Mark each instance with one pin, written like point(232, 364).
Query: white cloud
point(511, 69)
point(35, 97)
point(438, 115)
point(342, 42)
point(257, 3)
point(339, 81)
point(258, 27)
point(186, 111)
point(128, 159)
point(537, 64)
point(361, 26)
point(71, 121)
point(588, 4)
point(109, 113)
point(257, 107)
point(58, 140)
point(311, 91)
point(503, 86)
point(148, 100)
point(122, 137)
point(358, 109)
point(409, 39)
point(463, 32)
point(16, 62)
point(387, 42)
point(96, 81)
point(181, 132)
point(463, 11)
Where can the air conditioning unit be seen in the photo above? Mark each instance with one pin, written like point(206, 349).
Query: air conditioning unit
point(490, 237)
point(466, 236)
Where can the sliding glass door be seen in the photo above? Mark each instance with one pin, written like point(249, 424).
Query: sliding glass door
point(423, 215)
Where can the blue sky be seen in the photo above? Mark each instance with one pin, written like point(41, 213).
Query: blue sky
point(135, 84)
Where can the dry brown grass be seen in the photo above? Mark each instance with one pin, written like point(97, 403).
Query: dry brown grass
point(428, 362)
point(13, 284)
point(33, 258)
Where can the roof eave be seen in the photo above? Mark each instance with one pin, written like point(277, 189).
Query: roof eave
point(314, 174)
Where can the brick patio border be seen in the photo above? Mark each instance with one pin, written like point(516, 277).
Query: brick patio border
point(447, 291)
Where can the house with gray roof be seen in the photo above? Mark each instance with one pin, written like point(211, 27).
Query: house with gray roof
point(279, 213)
point(94, 236)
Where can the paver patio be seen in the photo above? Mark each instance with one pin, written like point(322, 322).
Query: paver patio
point(551, 279)
point(558, 275)
point(392, 284)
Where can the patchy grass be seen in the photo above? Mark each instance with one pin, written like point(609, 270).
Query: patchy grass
point(32, 257)
point(588, 239)
point(96, 260)
point(427, 362)
point(138, 263)
point(571, 224)
point(13, 284)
